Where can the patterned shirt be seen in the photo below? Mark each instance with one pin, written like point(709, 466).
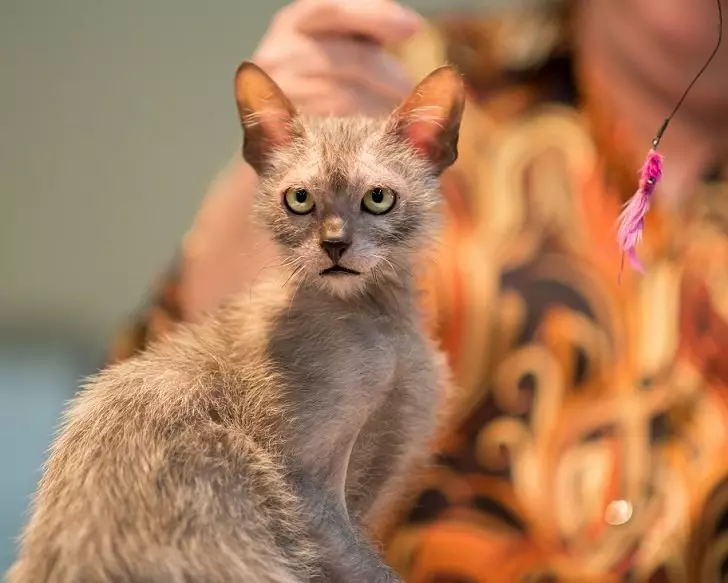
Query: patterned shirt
point(591, 417)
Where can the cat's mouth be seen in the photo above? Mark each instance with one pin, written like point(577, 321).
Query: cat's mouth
point(339, 270)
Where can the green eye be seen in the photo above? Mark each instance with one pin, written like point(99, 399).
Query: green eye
point(298, 201)
point(378, 200)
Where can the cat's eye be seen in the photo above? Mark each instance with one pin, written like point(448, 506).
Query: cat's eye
point(378, 200)
point(298, 201)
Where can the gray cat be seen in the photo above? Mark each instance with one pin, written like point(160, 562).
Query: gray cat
point(260, 445)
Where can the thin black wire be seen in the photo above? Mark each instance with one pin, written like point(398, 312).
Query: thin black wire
point(658, 137)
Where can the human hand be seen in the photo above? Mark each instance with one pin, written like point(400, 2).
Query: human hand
point(328, 56)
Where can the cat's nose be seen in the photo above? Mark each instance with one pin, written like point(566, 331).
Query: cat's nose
point(335, 248)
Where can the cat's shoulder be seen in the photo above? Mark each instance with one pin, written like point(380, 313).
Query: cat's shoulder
point(164, 376)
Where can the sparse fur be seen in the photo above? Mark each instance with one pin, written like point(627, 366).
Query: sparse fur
point(260, 445)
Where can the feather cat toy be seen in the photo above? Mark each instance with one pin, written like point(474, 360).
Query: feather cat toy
point(631, 220)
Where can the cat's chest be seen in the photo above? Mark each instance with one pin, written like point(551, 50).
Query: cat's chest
point(338, 350)
point(368, 348)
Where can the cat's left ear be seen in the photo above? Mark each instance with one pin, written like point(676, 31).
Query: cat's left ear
point(429, 119)
point(266, 114)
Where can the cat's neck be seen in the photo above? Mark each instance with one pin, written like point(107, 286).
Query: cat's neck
point(393, 296)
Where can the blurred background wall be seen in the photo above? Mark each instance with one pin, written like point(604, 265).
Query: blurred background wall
point(114, 116)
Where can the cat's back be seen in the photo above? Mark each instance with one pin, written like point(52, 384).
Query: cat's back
point(158, 467)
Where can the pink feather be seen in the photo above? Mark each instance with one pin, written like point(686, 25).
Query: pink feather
point(631, 220)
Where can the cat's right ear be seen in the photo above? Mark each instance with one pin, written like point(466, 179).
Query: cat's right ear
point(266, 114)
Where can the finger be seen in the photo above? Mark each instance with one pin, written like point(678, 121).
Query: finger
point(383, 21)
point(346, 61)
point(321, 97)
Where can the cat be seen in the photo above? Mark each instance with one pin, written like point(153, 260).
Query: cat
point(259, 445)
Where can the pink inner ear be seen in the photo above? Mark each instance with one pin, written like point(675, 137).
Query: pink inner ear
point(423, 136)
point(426, 128)
point(275, 126)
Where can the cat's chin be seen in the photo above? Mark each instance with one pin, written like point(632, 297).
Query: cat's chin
point(342, 285)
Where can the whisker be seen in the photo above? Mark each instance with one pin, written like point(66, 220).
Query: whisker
point(299, 283)
point(294, 272)
point(273, 264)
